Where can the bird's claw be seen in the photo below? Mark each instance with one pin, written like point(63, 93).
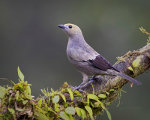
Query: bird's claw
point(77, 88)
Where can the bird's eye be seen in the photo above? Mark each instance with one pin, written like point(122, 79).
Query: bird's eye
point(70, 26)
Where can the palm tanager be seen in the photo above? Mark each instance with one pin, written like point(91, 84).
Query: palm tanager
point(85, 58)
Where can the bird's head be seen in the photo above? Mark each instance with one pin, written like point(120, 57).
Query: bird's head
point(71, 29)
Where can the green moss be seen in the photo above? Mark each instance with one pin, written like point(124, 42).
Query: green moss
point(136, 62)
point(66, 103)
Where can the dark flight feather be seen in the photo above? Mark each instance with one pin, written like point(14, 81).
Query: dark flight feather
point(101, 63)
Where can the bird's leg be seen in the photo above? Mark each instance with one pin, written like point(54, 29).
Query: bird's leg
point(92, 78)
point(85, 80)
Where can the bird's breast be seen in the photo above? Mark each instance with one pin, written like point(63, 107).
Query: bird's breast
point(79, 54)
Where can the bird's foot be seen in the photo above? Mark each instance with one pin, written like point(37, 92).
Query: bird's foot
point(77, 88)
point(80, 86)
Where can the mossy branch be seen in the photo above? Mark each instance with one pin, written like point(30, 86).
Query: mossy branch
point(16, 101)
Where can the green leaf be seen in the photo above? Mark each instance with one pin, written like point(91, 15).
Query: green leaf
point(51, 109)
point(2, 92)
point(93, 88)
point(71, 117)
point(20, 109)
point(83, 113)
point(108, 114)
point(11, 110)
point(136, 62)
point(41, 116)
point(88, 108)
point(20, 74)
point(56, 107)
point(102, 96)
point(40, 102)
point(52, 90)
point(130, 68)
point(17, 95)
point(78, 111)
point(70, 110)
point(71, 93)
point(28, 90)
point(25, 102)
point(55, 99)
point(63, 97)
point(64, 116)
point(93, 97)
point(111, 90)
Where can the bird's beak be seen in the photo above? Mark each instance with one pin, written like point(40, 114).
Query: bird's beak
point(61, 26)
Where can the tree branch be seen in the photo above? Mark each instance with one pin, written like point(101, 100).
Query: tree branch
point(132, 63)
point(66, 103)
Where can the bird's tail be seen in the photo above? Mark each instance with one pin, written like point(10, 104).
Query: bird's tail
point(117, 73)
point(129, 78)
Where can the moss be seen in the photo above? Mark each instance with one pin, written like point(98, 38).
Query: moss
point(145, 32)
point(136, 62)
point(17, 102)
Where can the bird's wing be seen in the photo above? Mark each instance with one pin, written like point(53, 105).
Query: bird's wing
point(101, 63)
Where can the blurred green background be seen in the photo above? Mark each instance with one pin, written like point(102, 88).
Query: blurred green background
point(29, 38)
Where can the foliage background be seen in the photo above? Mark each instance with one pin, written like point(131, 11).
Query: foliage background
point(29, 37)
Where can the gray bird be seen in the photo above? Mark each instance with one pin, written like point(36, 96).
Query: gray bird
point(85, 58)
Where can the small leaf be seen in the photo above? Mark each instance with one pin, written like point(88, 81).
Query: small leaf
point(63, 97)
point(92, 96)
point(71, 117)
point(93, 88)
point(20, 109)
point(102, 96)
point(70, 110)
point(78, 111)
point(83, 113)
point(2, 92)
point(28, 90)
point(41, 116)
point(96, 104)
point(40, 102)
point(88, 108)
point(25, 102)
point(52, 90)
point(11, 110)
point(136, 62)
point(56, 107)
point(20, 74)
point(55, 99)
point(64, 116)
point(108, 114)
point(51, 109)
point(130, 68)
point(111, 90)
point(71, 94)
point(17, 95)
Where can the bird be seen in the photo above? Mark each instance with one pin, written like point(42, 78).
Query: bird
point(87, 61)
